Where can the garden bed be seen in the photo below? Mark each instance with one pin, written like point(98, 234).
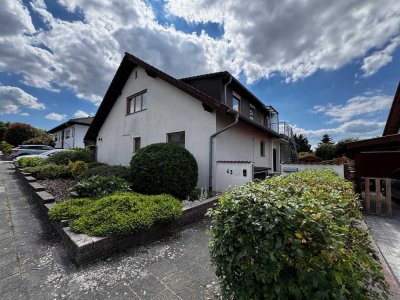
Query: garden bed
point(58, 187)
point(84, 249)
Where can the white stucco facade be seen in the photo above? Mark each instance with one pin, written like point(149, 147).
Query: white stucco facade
point(70, 137)
point(169, 110)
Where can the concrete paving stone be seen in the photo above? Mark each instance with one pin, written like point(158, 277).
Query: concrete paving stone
point(121, 292)
point(162, 268)
point(12, 288)
point(9, 269)
point(148, 287)
point(178, 281)
point(168, 295)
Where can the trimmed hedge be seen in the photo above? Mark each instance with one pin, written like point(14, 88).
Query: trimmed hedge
point(98, 186)
point(164, 169)
point(25, 162)
point(64, 157)
point(120, 214)
point(49, 171)
point(294, 237)
point(106, 170)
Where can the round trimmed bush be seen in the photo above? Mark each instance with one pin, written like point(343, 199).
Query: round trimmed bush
point(164, 169)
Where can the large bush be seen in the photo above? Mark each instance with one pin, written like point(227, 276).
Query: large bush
point(77, 167)
point(24, 162)
point(120, 214)
point(164, 168)
point(105, 170)
point(98, 186)
point(6, 147)
point(64, 157)
point(294, 237)
point(49, 171)
point(17, 133)
point(326, 151)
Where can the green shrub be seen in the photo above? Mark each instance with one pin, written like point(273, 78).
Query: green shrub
point(64, 157)
point(24, 162)
point(106, 170)
point(6, 147)
point(98, 186)
point(326, 151)
point(96, 164)
point(294, 237)
point(164, 169)
point(77, 167)
point(120, 214)
point(49, 171)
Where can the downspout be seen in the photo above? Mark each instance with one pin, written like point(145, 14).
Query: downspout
point(210, 162)
point(226, 84)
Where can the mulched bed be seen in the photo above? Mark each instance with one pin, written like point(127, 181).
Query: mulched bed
point(58, 187)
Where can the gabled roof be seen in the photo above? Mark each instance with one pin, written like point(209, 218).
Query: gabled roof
point(393, 120)
point(128, 63)
point(80, 121)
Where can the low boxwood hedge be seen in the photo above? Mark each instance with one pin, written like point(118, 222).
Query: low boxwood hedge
point(64, 157)
point(105, 170)
point(294, 237)
point(25, 162)
point(49, 171)
point(121, 214)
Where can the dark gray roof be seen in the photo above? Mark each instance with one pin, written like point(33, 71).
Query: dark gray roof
point(81, 121)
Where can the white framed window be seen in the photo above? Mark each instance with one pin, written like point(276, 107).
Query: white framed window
point(236, 102)
point(177, 138)
point(136, 144)
point(136, 102)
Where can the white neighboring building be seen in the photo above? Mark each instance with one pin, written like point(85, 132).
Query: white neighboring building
point(71, 133)
point(144, 105)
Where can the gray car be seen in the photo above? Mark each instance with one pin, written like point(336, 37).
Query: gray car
point(29, 149)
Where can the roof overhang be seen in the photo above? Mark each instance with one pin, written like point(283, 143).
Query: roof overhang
point(388, 142)
point(393, 120)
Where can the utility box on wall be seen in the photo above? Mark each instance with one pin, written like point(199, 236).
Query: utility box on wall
point(231, 173)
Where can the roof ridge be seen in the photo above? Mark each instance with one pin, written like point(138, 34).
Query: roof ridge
point(206, 75)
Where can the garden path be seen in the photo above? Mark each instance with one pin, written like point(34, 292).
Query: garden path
point(34, 264)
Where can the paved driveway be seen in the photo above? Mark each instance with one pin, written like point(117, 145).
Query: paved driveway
point(34, 264)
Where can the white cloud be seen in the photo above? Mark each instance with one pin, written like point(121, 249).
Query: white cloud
point(13, 98)
point(81, 114)
point(295, 38)
point(368, 103)
point(371, 64)
point(24, 114)
point(55, 116)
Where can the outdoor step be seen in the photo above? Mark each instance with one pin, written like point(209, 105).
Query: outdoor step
point(45, 197)
point(30, 178)
point(36, 186)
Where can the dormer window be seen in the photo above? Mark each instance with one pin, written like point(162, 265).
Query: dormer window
point(236, 102)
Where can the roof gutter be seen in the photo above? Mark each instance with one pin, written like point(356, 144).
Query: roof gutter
point(210, 161)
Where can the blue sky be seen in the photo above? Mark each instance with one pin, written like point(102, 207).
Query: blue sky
point(326, 68)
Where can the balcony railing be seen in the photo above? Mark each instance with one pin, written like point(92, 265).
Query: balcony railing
point(283, 128)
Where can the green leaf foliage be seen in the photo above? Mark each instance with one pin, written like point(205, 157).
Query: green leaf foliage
point(326, 151)
point(164, 168)
point(294, 237)
point(77, 167)
point(24, 162)
point(49, 171)
point(64, 157)
point(98, 186)
point(120, 214)
point(6, 147)
point(105, 170)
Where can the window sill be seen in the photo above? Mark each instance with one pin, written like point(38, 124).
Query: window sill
point(136, 112)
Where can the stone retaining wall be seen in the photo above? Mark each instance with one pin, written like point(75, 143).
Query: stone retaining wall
point(84, 249)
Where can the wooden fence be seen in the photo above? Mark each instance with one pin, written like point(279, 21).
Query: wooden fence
point(377, 196)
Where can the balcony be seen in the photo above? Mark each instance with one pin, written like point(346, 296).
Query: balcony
point(283, 128)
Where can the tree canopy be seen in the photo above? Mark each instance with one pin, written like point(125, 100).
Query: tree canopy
point(302, 143)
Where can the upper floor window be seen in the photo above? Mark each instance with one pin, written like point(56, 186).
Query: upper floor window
point(177, 138)
point(56, 137)
point(67, 134)
point(251, 112)
point(136, 103)
point(236, 103)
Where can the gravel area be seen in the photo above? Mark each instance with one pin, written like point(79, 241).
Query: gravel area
point(58, 187)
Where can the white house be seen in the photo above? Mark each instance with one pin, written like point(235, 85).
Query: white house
point(232, 134)
point(71, 133)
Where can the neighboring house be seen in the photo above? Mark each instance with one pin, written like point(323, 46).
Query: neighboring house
point(71, 133)
point(228, 130)
point(380, 156)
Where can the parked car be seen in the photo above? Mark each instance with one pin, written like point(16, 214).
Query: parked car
point(29, 149)
point(44, 155)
